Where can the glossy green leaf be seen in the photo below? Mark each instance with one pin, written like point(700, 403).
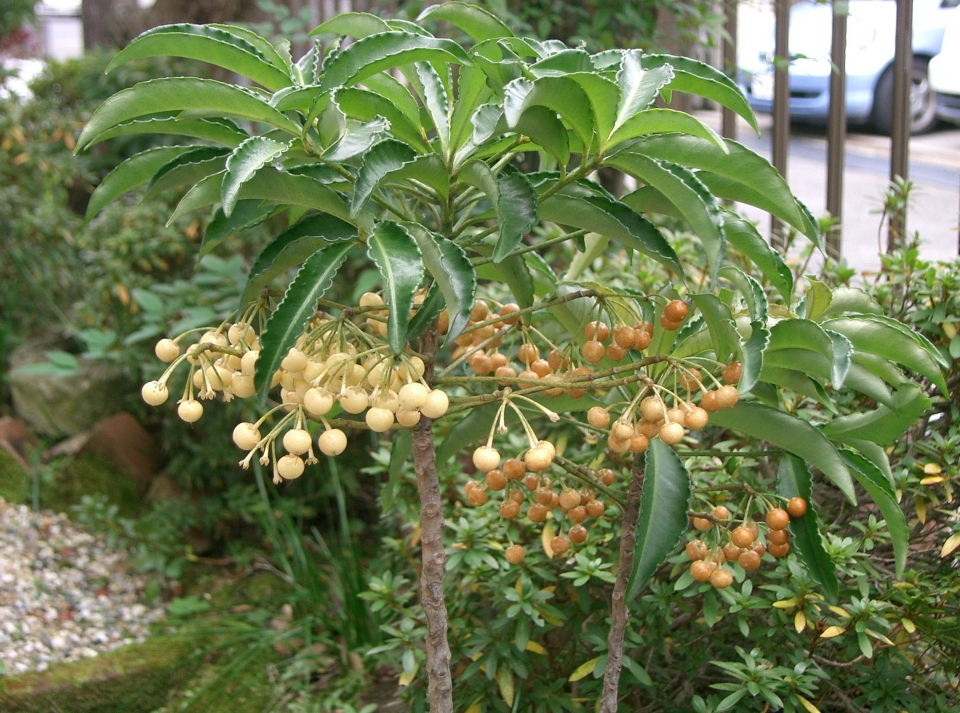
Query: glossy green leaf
point(513, 272)
point(663, 121)
point(181, 93)
point(747, 176)
point(352, 24)
point(247, 214)
point(397, 257)
point(880, 367)
point(188, 168)
point(391, 89)
point(248, 158)
point(472, 19)
point(514, 202)
point(752, 354)
point(297, 307)
point(473, 428)
point(639, 87)
point(559, 94)
point(794, 481)
point(891, 340)
point(883, 426)
point(365, 105)
point(356, 138)
point(842, 358)
point(719, 321)
point(875, 454)
point(866, 382)
point(616, 221)
point(291, 248)
point(132, 173)
point(750, 290)
point(436, 102)
point(817, 299)
point(386, 50)
point(218, 131)
point(742, 235)
point(703, 80)
point(797, 382)
point(802, 345)
point(472, 91)
point(207, 44)
point(451, 269)
point(263, 45)
point(427, 312)
point(390, 161)
point(544, 128)
point(850, 299)
point(792, 435)
point(664, 503)
point(873, 481)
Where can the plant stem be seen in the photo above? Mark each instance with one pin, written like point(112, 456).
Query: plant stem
point(439, 683)
point(619, 611)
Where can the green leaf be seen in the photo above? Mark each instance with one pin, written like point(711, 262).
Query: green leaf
point(248, 158)
point(365, 105)
point(380, 160)
point(719, 321)
point(873, 481)
point(750, 290)
point(614, 220)
point(391, 89)
point(742, 235)
point(357, 137)
point(799, 382)
point(188, 169)
point(396, 255)
point(802, 345)
point(794, 480)
point(451, 269)
point(875, 454)
point(559, 94)
point(399, 454)
point(515, 274)
point(472, 90)
point(181, 93)
point(743, 175)
point(545, 129)
point(473, 428)
point(639, 87)
point(297, 307)
point(891, 340)
point(207, 44)
point(850, 299)
point(664, 503)
point(386, 50)
point(842, 358)
point(292, 247)
point(246, 215)
point(219, 131)
point(698, 78)
point(514, 202)
point(430, 309)
point(472, 19)
point(884, 425)
point(133, 172)
point(436, 102)
point(663, 121)
point(695, 203)
point(262, 44)
point(351, 24)
point(817, 299)
point(868, 383)
point(792, 435)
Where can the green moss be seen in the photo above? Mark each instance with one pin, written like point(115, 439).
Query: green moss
point(87, 474)
point(14, 482)
point(130, 679)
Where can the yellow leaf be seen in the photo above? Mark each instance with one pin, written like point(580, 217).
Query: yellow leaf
point(800, 621)
point(474, 707)
point(950, 545)
point(505, 682)
point(123, 293)
point(878, 636)
point(415, 536)
point(786, 603)
point(535, 647)
point(839, 612)
point(549, 532)
point(921, 508)
point(585, 669)
point(949, 330)
point(949, 493)
point(908, 625)
point(68, 141)
point(21, 159)
point(932, 469)
point(406, 678)
point(832, 631)
point(518, 586)
point(932, 480)
point(807, 704)
point(475, 655)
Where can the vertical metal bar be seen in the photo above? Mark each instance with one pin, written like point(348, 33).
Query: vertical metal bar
point(781, 105)
point(900, 135)
point(728, 117)
point(837, 126)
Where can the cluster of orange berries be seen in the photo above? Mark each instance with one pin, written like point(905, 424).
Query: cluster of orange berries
point(523, 479)
point(743, 547)
point(330, 365)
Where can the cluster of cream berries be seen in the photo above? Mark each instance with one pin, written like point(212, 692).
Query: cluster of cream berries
point(743, 545)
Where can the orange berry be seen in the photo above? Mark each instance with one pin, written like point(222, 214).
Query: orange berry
point(592, 351)
point(709, 401)
point(779, 550)
point(702, 524)
point(721, 512)
point(696, 550)
point(496, 480)
point(778, 537)
point(481, 364)
point(499, 359)
point(537, 512)
point(742, 536)
point(676, 310)
point(577, 515)
point(732, 372)
point(731, 552)
point(513, 469)
point(721, 578)
point(541, 368)
point(598, 417)
point(509, 309)
point(509, 509)
point(777, 519)
point(639, 443)
point(727, 396)
point(797, 507)
point(577, 534)
point(608, 477)
point(531, 481)
point(528, 353)
point(625, 336)
point(696, 418)
point(668, 324)
point(505, 372)
point(569, 498)
point(514, 554)
point(615, 352)
point(595, 508)
point(557, 360)
point(643, 340)
point(480, 311)
point(749, 560)
point(671, 433)
point(560, 545)
point(701, 570)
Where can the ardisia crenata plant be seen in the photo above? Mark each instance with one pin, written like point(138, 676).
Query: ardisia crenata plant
point(453, 169)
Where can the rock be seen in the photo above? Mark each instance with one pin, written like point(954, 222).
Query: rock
point(15, 439)
point(57, 405)
point(125, 443)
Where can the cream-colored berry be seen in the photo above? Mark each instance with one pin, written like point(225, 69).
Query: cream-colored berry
point(696, 418)
point(413, 396)
point(242, 385)
point(190, 411)
point(651, 408)
point(354, 400)
point(486, 458)
point(297, 441)
point(436, 404)
point(240, 332)
point(407, 419)
point(671, 433)
point(379, 419)
point(371, 299)
point(219, 377)
point(154, 393)
point(622, 430)
point(248, 363)
point(166, 350)
point(332, 442)
point(246, 436)
point(539, 458)
point(318, 401)
point(294, 361)
point(290, 467)
point(598, 417)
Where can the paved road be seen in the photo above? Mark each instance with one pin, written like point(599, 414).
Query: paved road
point(934, 168)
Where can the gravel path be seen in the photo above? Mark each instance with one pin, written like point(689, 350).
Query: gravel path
point(64, 595)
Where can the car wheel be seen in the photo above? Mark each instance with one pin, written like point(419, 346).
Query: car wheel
point(923, 102)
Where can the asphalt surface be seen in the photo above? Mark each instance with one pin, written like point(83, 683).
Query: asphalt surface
point(934, 168)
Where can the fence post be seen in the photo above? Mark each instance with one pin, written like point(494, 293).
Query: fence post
point(728, 117)
point(900, 135)
point(837, 126)
point(781, 106)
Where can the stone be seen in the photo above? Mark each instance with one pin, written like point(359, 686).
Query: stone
point(15, 439)
point(125, 443)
